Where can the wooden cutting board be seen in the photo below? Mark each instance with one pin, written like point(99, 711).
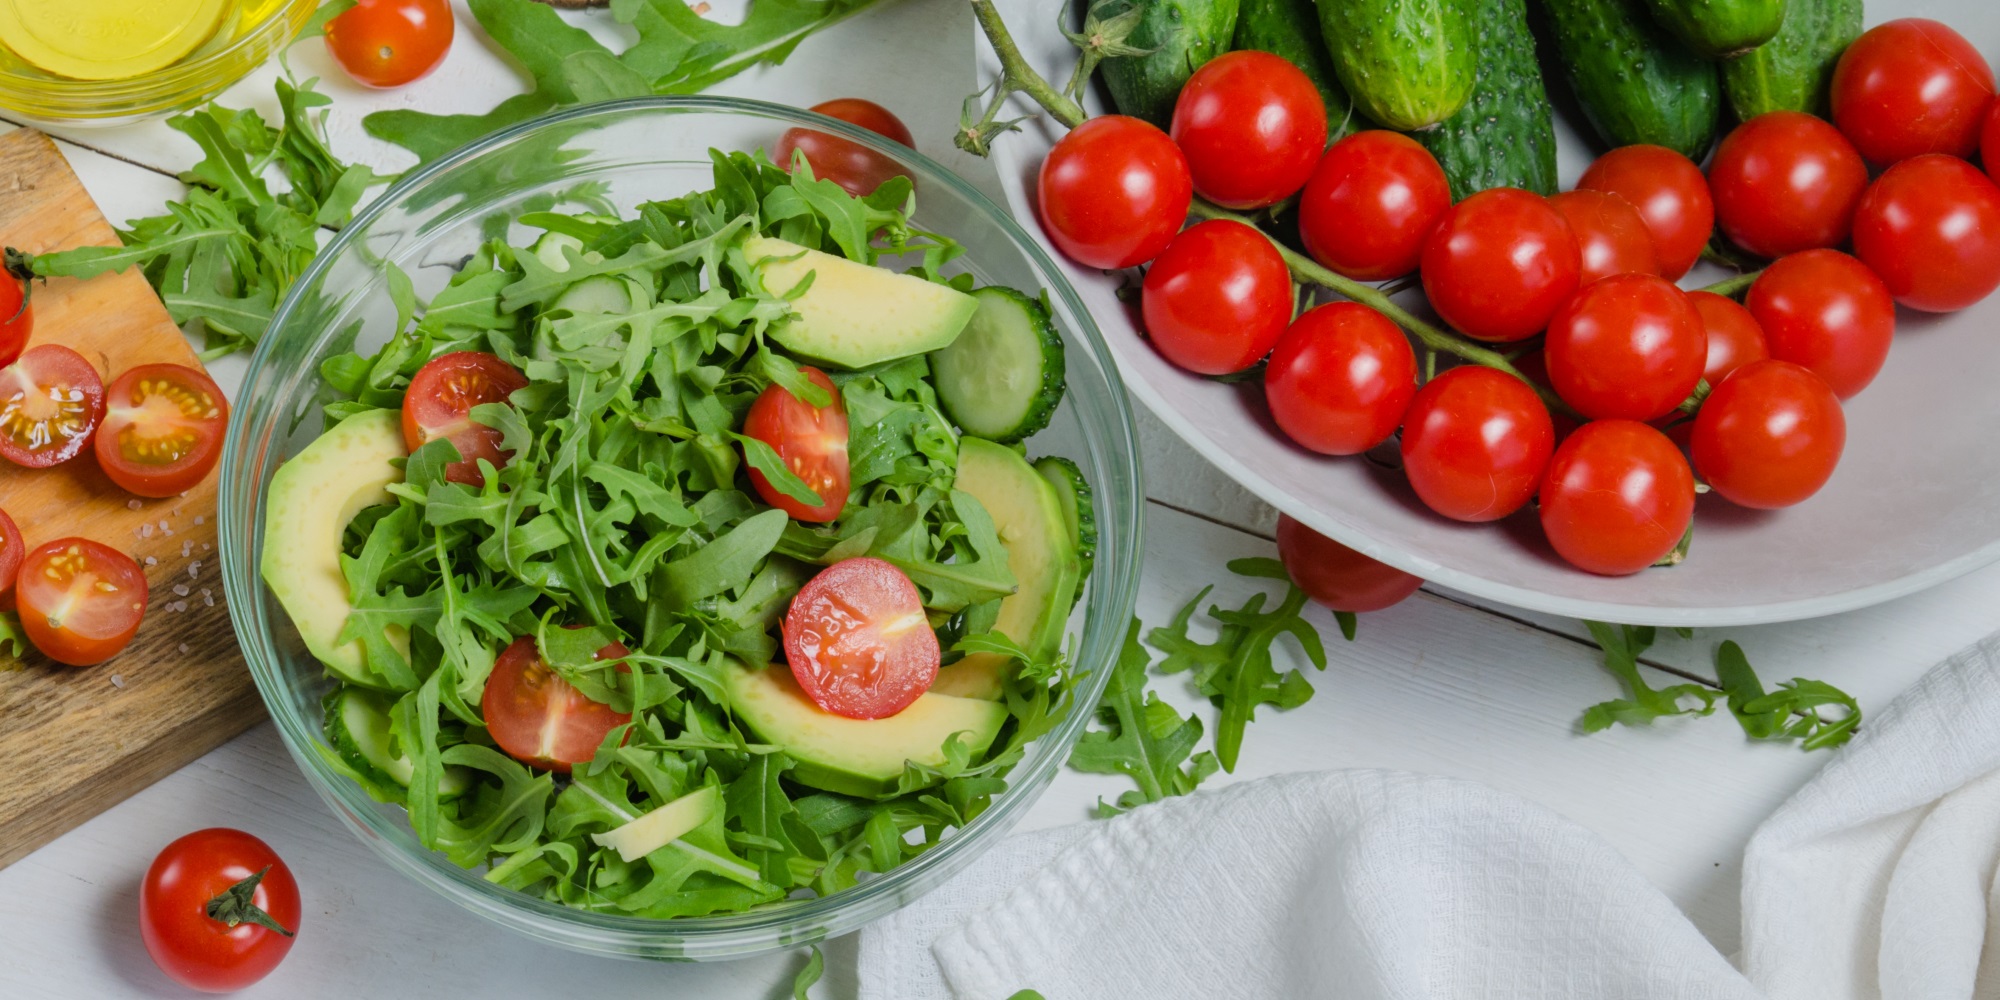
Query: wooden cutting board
point(77, 740)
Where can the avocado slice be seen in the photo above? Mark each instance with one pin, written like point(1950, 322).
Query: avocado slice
point(1029, 515)
point(312, 498)
point(854, 315)
point(651, 831)
point(861, 757)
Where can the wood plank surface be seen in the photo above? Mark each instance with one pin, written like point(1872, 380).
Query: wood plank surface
point(79, 739)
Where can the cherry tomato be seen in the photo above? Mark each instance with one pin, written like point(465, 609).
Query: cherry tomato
point(162, 429)
point(1337, 576)
point(388, 43)
point(1499, 265)
point(1475, 442)
point(1785, 181)
point(1609, 234)
point(1372, 204)
point(1630, 346)
point(17, 319)
point(1769, 435)
point(1828, 312)
point(50, 403)
point(1670, 194)
point(1113, 192)
point(858, 640)
point(810, 440)
point(1218, 298)
point(1989, 144)
point(1341, 379)
point(12, 550)
point(1734, 338)
point(1909, 87)
point(81, 601)
point(1252, 125)
point(540, 719)
point(856, 168)
point(439, 405)
point(202, 934)
point(1930, 229)
point(1619, 497)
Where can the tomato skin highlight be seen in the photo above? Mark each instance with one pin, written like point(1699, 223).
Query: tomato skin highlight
point(1734, 338)
point(17, 319)
point(812, 442)
point(81, 601)
point(1786, 181)
point(390, 43)
point(1252, 126)
point(1929, 227)
point(1499, 265)
point(1340, 379)
point(858, 640)
point(51, 401)
point(540, 719)
point(1610, 235)
point(1769, 436)
point(196, 950)
point(1217, 299)
point(12, 551)
point(1475, 442)
point(1671, 195)
point(1909, 87)
point(439, 403)
point(1619, 496)
point(1827, 312)
point(1630, 346)
point(1113, 192)
point(1336, 576)
point(162, 429)
point(1371, 205)
point(856, 168)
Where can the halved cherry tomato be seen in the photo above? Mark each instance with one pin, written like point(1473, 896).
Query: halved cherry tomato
point(1500, 263)
point(1670, 194)
point(388, 43)
point(1769, 436)
point(1786, 181)
point(810, 440)
point(17, 319)
point(539, 718)
point(1218, 298)
point(1252, 125)
point(12, 551)
point(1336, 576)
point(1475, 443)
point(1828, 312)
point(1618, 498)
point(1340, 379)
point(1609, 234)
point(1930, 228)
point(1910, 87)
point(1372, 204)
point(1630, 346)
point(856, 168)
point(50, 403)
point(1734, 338)
point(439, 405)
point(162, 429)
point(1113, 192)
point(81, 601)
point(858, 641)
point(197, 932)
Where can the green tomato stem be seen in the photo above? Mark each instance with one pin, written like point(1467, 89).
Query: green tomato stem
point(1735, 286)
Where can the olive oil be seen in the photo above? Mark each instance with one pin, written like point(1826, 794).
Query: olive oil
point(120, 39)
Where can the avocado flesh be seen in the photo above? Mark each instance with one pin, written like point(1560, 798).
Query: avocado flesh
point(854, 315)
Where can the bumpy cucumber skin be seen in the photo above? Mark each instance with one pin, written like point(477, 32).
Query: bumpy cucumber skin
point(1505, 135)
point(1409, 64)
point(1718, 29)
point(1183, 34)
point(1635, 82)
point(1290, 29)
point(1049, 389)
point(1794, 70)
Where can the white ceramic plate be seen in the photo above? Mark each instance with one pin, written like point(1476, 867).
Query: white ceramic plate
point(1916, 500)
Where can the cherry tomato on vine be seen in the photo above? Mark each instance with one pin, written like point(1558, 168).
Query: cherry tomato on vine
point(439, 404)
point(1769, 435)
point(1827, 312)
point(17, 319)
point(1371, 205)
point(1499, 265)
point(856, 168)
point(1910, 87)
point(1252, 125)
point(1734, 338)
point(81, 601)
point(539, 718)
point(1930, 228)
point(858, 641)
point(51, 401)
point(12, 551)
point(162, 429)
point(1618, 498)
point(1475, 442)
point(1786, 181)
point(218, 910)
point(1671, 195)
point(1340, 379)
point(388, 43)
point(1218, 298)
point(1336, 576)
point(1630, 346)
point(1610, 236)
point(810, 440)
point(1534, 366)
point(1113, 192)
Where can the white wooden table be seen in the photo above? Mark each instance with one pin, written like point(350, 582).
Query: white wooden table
point(1438, 684)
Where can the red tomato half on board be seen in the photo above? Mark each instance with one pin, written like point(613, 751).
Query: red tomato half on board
point(17, 319)
point(439, 405)
point(810, 440)
point(162, 429)
point(12, 551)
point(205, 928)
point(81, 601)
point(50, 403)
point(540, 719)
point(858, 641)
point(856, 168)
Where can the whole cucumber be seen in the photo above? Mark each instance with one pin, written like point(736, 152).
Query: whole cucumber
point(1504, 136)
point(1794, 70)
point(1717, 29)
point(1635, 82)
point(1183, 34)
point(1410, 64)
point(1290, 29)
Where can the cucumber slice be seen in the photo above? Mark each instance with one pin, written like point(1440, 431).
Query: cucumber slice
point(1073, 496)
point(549, 250)
point(599, 294)
point(357, 725)
point(1003, 377)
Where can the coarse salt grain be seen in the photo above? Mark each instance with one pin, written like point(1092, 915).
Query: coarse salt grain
point(200, 520)
point(169, 532)
point(163, 524)
point(118, 680)
point(187, 549)
point(207, 600)
point(133, 505)
point(150, 561)
point(194, 569)
point(145, 531)
point(184, 647)
point(180, 590)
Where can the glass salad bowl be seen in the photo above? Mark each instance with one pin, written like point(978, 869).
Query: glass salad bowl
point(624, 154)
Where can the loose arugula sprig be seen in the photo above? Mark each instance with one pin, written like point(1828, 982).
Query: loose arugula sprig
point(13, 642)
point(1792, 712)
point(1141, 737)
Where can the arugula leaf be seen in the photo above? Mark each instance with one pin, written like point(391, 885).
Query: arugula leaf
point(765, 460)
point(808, 976)
point(13, 641)
point(1141, 737)
point(1792, 712)
point(1623, 645)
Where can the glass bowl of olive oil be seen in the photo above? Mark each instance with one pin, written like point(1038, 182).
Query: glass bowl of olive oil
point(110, 62)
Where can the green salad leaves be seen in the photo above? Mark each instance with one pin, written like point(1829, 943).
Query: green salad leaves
point(1793, 712)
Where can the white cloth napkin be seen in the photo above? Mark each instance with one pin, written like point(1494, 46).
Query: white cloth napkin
point(1876, 880)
